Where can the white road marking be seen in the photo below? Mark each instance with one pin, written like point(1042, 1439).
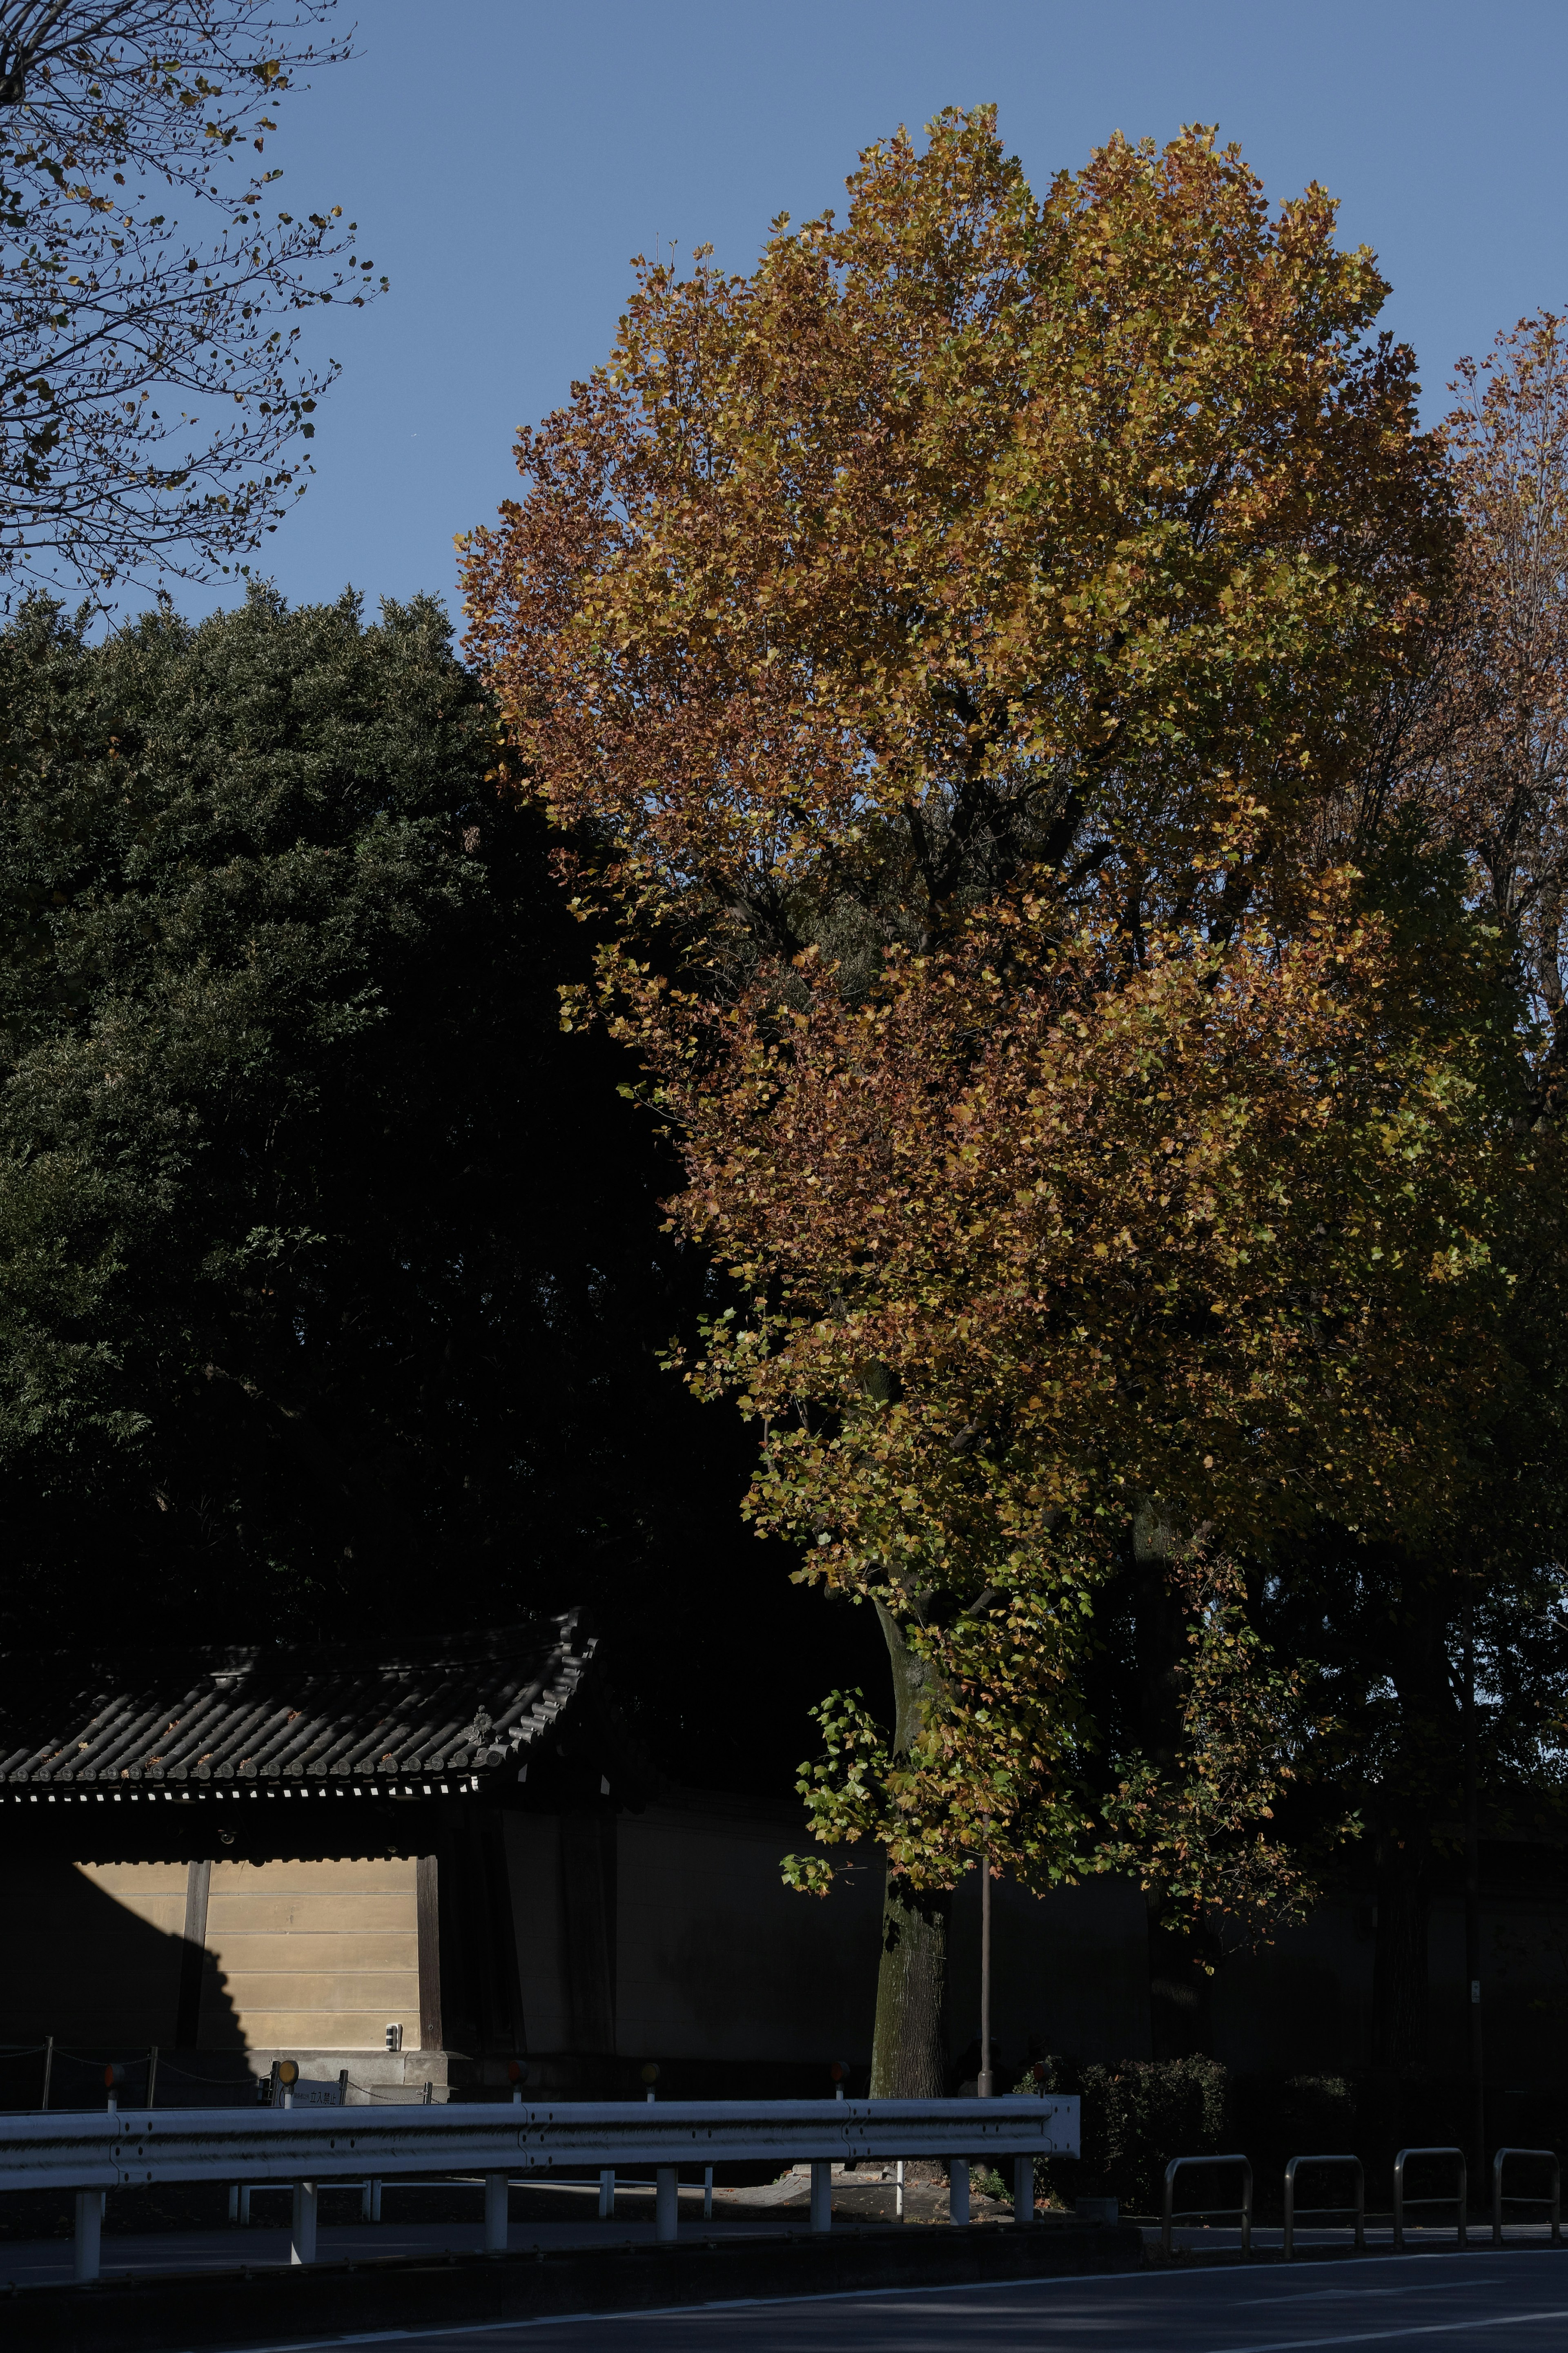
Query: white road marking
point(1314, 2294)
point(1065, 2280)
point(1382, 2335)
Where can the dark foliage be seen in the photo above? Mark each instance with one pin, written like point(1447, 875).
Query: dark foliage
point(333, 1280)
point(1134, 2116)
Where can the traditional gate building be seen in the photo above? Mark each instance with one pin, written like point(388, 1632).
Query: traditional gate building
point(414, 1867)
point(427, 1864)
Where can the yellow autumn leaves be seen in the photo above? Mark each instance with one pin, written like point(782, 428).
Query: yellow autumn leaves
point(956, 654)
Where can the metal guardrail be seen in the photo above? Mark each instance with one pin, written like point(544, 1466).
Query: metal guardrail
point(1545, 2157)
point(1316, 2212)
point(1460, 2201)
point(1222, 2213)
point(1458, 2197)
point(304, 2147)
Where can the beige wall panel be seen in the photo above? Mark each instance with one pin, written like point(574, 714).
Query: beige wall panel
point(89, 1961)
point(138, 1879)
point(322, 1954)
point(377, 1912)
point(312, 1990)
point(244, 1955)
point(154, 1891)
point(325, 2029)
point(354, 1870)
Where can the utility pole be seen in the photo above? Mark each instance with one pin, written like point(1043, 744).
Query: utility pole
point(1473, 1899)
point(984, 2086)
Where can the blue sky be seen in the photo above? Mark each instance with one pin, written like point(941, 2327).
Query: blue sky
point(505, 158)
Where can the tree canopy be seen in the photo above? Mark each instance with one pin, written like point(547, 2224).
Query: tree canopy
point(961, 655)
point(974, 532)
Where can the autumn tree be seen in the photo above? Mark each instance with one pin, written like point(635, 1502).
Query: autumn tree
point(153, 385)
point(1470, 750)
point(1489, 767)
point(1050, 1266)
point(941, 649)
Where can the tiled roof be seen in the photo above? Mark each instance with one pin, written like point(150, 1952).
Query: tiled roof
point(214, 1723)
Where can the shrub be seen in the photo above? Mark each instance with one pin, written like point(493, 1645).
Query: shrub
point(1135, 2116)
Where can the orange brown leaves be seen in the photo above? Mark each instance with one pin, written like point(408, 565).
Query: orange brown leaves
point(1499, 761)
point(1179, 1236)
point(973, 528)
point(952, 635)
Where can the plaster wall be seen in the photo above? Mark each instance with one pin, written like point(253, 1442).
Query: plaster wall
point(534, 1874)
point(91, 1951)
point(1069, 1974)
point(718, 1959)
point(318, 1955)
point(1301, 2005)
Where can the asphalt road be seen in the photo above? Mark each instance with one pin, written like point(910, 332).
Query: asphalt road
point(1517, 2302)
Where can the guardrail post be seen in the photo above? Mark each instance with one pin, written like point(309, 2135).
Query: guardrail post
point(608, 2195)
point(1023, 2190)
point(89, 2234)
point(821, 2194)
point(666, 2204)
point(958, 2191)
point(1168, 2206)
point(1461, 2204)
point(707, 2193)
point(245, 2205)
point(1545, 2155)
point(303, 2224)
point(497, 2211)
point(1360, 2209)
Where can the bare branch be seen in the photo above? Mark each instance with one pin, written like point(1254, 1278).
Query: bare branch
point(119, 332)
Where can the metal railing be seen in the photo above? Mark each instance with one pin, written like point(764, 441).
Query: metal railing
point(304, 2148)
point(1221, 2214)
point(1457, 2198)
point(81, 2075)
point(1318, 2212)
point(1543, 2156)
point(1459, 2201)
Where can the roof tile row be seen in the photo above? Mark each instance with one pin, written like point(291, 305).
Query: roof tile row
point(290, 1713)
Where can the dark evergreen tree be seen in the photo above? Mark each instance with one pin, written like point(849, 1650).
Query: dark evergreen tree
point(333, 1280)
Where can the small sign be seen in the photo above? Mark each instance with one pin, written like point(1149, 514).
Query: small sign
point(309, 2095)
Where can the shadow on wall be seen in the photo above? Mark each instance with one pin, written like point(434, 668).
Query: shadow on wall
point(96, 1958)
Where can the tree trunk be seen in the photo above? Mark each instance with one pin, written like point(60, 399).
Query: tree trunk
point(1180, 1984)
point(1399, 1983)
point(909, 2059)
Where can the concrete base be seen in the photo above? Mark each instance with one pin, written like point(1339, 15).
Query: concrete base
point(383, 2073)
